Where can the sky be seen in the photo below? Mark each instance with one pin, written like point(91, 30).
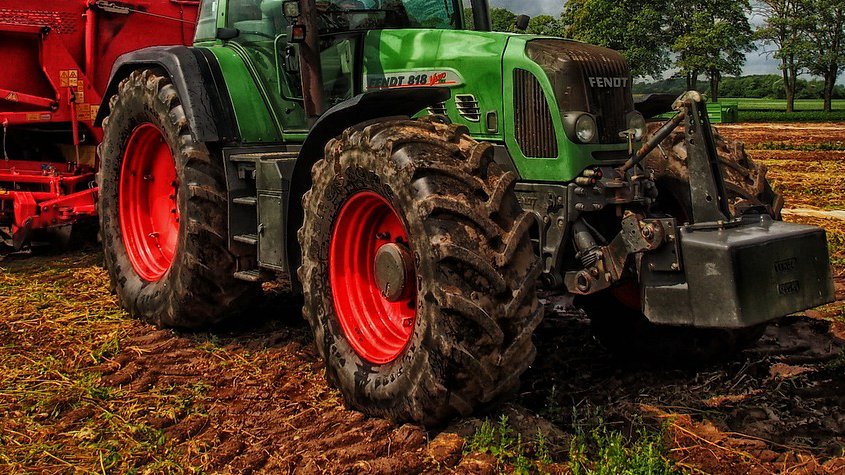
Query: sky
point(757, 62)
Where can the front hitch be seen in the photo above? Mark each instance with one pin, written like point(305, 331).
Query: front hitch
point(717, 271)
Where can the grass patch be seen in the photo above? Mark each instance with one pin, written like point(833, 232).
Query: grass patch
point(597, 449)
point(779, 105)
point(58, 322)
point(808, 147)
point(511, 453)
point(781, 116)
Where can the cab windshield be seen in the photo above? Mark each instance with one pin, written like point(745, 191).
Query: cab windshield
point(337, 16)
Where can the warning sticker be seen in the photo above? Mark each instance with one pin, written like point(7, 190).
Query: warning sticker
point(80, 91)
point(95, 109)
point(11, 97)
point(83, 111)
point(38, 116)
point(68, 77)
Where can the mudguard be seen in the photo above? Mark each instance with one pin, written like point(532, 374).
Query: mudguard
point(196, 75)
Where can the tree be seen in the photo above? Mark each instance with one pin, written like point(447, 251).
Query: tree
point(502, 19)
point(634, 28)
point(825, 52)
point(785, 27)
point(545, 25)
point(718, 36)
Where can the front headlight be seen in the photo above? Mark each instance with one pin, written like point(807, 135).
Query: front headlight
point(585, 128)
point(636, 122)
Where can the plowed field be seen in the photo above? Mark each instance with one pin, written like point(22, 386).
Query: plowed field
point(85, 389)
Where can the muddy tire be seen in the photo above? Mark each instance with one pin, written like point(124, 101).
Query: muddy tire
point(745, 180)
point(472, 268)
point(182, 276)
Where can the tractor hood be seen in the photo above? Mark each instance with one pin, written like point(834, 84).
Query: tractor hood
point(467, 62)
point(524, 91)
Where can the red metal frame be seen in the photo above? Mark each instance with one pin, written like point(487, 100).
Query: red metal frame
point(58, 59)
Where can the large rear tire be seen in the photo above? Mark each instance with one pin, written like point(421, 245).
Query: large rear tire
point(459, 334)
point(162, 210)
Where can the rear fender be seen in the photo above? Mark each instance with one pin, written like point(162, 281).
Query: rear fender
point(197, 77)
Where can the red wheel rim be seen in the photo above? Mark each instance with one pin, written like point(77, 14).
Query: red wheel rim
point(148, 202)
point(378, 329)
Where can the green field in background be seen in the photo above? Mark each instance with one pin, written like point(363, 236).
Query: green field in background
point(780, 105)
point(774, 110)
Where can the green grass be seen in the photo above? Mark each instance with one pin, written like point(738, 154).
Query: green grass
point(779, 105)
point(596, 448)
point(811, 147)
point(512, 454)
point(801, 116)
point(774, 110)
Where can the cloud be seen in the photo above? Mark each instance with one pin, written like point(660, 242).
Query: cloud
point(531, 8)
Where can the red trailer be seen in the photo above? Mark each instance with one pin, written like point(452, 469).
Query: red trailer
point(56, 58)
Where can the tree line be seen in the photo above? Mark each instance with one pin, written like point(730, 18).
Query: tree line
point(760, 86)
point(707, 38)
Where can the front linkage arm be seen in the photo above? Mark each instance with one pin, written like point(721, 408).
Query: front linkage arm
point(718, 271)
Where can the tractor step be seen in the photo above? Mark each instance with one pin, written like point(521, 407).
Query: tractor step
point(246, 200)
point(252, 275)
point(251, 239)
point(254, 157)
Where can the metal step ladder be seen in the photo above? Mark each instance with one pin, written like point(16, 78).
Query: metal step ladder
point(243, 210)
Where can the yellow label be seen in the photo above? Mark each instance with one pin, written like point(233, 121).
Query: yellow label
point(12, 97)
point(95, 109)
point(73, 75)
point(83, 111)
point(63, 77)
point(80, 91)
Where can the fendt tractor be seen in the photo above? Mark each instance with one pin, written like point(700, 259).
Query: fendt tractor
point(57, 56)
point(418, 179)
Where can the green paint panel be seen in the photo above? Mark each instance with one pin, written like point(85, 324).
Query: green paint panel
point(475, 56)
point(255, 122)
point(484, 62)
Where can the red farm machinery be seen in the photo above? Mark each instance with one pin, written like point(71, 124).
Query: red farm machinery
point(56, 61)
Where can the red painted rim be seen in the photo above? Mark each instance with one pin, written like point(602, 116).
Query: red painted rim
point(148, 203)
point(378, 330)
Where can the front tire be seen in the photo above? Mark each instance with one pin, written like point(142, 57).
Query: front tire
point(162, 211)
point(459, 334)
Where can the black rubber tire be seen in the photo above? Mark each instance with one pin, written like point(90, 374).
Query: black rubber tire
point(199, 289)
point(745, 179)
point(477, 303)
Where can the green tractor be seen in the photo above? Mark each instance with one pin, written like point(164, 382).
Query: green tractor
point(418, 179)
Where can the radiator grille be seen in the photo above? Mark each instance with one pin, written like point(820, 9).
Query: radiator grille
point(60, 22)
point(590, 79)
point(609, 104)
point(535, 132)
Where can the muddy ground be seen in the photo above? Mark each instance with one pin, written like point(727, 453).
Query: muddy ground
point(85, 389)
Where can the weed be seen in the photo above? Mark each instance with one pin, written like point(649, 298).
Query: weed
point(499, 440)
point(597, 449)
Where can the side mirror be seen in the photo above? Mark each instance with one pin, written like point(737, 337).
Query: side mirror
point(521, 22)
